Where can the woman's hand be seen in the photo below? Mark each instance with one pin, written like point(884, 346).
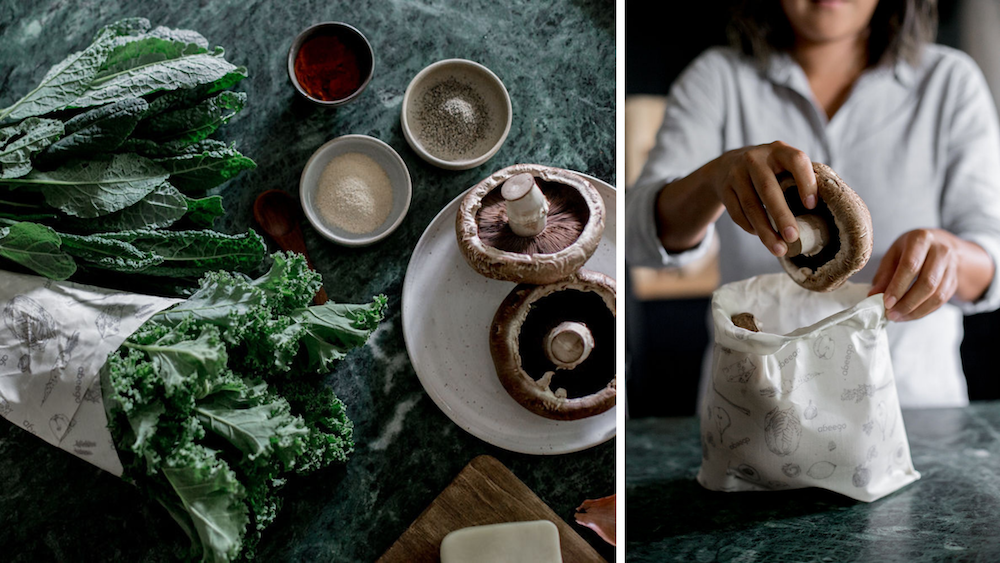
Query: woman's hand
point(745, 181)
point(924, 268)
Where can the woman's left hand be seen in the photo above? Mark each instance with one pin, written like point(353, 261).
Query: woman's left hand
point(924, 268)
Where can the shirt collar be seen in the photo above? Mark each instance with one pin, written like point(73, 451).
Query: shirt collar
point(782, 68)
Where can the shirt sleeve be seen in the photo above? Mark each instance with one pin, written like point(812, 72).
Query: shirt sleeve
point(970, 206)
point(690, 136)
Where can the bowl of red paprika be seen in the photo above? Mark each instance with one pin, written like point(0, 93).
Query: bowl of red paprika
point(330, 63)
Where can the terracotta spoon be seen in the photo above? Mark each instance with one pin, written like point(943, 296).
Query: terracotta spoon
point(279, 214)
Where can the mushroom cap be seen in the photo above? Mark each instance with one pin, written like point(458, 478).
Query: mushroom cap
point(515, 352)
point(535, 268)
point(850, 227)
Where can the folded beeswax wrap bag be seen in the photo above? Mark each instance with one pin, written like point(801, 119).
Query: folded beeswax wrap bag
point(54, 339)
point(810, 400)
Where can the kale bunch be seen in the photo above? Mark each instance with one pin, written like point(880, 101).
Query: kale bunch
point(214, 402)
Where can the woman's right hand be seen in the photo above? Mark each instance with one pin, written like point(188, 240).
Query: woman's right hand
point(745, 181)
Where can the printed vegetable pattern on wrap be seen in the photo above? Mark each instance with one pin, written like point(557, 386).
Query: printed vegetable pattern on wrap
point(810, 401)
point(55, 339)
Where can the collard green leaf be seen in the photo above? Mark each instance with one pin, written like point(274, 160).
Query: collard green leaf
point(108, 254)
point(94, 188)
point(204, 211)
point(38, 248)
point(148, 49)
point(73, 75)
point(190, 125)
point(100, 130)
point(192, 253)
point(176, 99)
point(166, 69)
point(126, 60)
point(212, 497)
point(198, 171)
point(159, 209)
point(21, 141)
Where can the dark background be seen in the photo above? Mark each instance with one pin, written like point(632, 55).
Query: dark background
point(666, 339)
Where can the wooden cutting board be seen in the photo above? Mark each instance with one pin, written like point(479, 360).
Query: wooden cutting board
point(485, 492)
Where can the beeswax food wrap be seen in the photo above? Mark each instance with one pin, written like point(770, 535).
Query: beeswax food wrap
point(810, 400)
point(54, 340)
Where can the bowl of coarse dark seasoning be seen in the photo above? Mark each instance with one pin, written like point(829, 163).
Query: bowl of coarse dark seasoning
point(355, 190)
point(456, 114)
point(330, 63)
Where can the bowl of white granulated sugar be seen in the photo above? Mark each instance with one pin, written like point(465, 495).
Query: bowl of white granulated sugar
point(355, 190)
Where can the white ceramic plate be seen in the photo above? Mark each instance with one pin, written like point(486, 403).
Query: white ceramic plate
point(447, 312)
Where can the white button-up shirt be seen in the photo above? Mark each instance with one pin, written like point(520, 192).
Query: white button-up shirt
point(919, 144)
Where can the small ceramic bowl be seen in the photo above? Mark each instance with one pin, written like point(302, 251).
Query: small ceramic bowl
point(380, 152)
point(456, 114)
point(349, 37)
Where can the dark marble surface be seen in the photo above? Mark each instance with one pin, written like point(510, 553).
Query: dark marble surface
point(557, 61)
point(951, 514)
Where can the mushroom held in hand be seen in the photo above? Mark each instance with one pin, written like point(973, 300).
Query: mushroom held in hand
point(540, 226)
point(835, 238)
point(553, 346)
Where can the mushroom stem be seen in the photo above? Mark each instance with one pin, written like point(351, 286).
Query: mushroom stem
point(527, 207)
point(569, 344)
point(814, 234)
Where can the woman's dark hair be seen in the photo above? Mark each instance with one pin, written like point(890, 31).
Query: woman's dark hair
point(898, 29)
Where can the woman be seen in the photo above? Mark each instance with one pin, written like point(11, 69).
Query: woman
point(908, 125)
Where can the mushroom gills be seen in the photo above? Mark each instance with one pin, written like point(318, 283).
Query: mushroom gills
point(566, 215)
point(596, 369)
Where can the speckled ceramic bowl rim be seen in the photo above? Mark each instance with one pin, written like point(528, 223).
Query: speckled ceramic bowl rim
point(317, 222)
point(415, 144)
point(297, 44)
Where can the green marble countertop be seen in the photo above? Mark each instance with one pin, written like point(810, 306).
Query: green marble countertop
point(951, 514)
point(557, 60)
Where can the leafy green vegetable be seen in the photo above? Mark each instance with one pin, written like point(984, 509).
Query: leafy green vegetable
point(209, 423)
point(37, 247)
point(255, 427)
point(97, 131)
point(328, 331)
point(126, 60)
point(187, 97)
point(204, 211)
point(20, 141)
point(70, 78)
point(188, 253)
point(187, 363)
point(108, 254)
point(84, 170)
point(95, 188)
point(193, 124)
point(154, 65)
point(158, 209)
point(195, 171)
point(211, 496)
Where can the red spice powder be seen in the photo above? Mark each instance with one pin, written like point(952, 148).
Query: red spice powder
point(327, 69)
